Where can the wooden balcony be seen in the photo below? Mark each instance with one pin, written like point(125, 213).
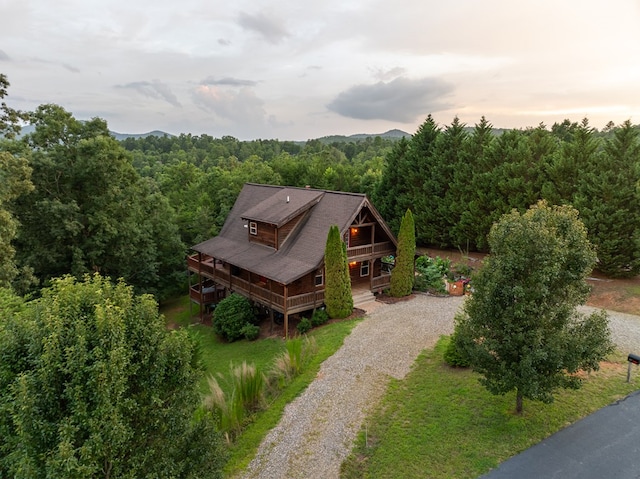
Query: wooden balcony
point(371, 251)
point(254, 291)
point(261, 294)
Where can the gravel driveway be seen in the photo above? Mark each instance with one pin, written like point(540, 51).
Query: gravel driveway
point(317, 430)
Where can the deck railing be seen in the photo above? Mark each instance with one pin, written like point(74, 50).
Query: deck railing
point(263, 295)
point(381, 281)
point(384, 248)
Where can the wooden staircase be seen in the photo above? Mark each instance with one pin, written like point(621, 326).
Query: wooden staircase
point(361, 297)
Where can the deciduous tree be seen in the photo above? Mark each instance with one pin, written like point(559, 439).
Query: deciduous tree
point(90, 210)
point(93, 385)
point(520, 328)
point(15, 175)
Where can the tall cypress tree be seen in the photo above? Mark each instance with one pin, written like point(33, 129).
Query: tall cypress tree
point(424, 181)
point(402, 273)
point(391, 196)
point(608, 199)
point(337, 291)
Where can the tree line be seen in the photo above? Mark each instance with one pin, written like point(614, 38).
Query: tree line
point(74, 200)
point(458, 183)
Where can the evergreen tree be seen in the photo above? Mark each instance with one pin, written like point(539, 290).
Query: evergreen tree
point(447, 199)
point(565, 168)
point(425, 185)
point(471, 183)
point(402, 275)
point(392, 194)
point(520, 329)
point(337, 290)
point(608, 199)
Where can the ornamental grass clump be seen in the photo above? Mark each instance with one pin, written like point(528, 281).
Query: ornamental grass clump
point(291, 362)
point(246, 396)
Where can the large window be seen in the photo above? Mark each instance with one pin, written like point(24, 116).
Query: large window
point(253, 227)
point(364, 268)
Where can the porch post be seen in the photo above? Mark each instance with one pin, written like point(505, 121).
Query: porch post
point(271, 303)
point(286, 313)
point(200, 285)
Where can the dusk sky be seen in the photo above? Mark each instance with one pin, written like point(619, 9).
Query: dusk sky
point(295, 70)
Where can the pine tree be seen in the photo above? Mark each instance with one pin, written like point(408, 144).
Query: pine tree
point(337, 292)
point(402, 274)
point(608, 199)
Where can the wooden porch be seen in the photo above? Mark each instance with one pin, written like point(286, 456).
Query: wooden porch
point(262, 292)
point(256, 291)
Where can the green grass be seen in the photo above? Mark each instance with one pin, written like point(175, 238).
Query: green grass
point(217, 356)
point(632, 291)
point(440, 423)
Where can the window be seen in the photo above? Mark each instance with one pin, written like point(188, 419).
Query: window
point(319, 278)
point(253, 227)
point(364, 268)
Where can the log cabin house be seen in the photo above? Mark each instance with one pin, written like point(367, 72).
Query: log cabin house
point(271, 249)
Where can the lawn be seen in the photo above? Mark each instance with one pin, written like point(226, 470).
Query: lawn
point(440, 423)
point(217, 356)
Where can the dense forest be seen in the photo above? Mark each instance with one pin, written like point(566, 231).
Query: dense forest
point(74, 200)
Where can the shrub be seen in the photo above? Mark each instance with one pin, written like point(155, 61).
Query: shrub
point(430, 274)
point(462, 269)
point(231, 316)
point(251, 331)
point(455, 354)
point(319, 317)
point(304, 325)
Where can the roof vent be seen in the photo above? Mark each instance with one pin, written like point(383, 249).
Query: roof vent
point(287, 199)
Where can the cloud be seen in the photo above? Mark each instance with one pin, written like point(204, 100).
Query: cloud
point(155, 89)
point(270, 29)
point(401, 100)
point(224, 42)
point(4, 57)
point(227, 81)
point(71, 68)
point(386, 75)
point(241, 106)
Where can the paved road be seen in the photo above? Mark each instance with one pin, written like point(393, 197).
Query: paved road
point(604, 445)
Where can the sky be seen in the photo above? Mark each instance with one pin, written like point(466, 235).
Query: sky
point(297, 69)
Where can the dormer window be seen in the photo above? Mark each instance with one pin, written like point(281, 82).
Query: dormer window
point(253, 227)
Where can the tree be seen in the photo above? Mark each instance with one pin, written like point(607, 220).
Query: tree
point(391, 195)
point(337, 291)
point(402, 274)
point(15, 175)
point(609, 202)
point(93, 385)
point(520, 328)
point(9, 118)
point(90, 210)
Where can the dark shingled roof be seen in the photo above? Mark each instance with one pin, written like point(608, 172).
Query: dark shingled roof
point(283, 206)
point(303, 251)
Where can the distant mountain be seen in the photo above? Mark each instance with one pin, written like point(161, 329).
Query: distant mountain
point(118, 136)
point(391, 134)
point(124, 136)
